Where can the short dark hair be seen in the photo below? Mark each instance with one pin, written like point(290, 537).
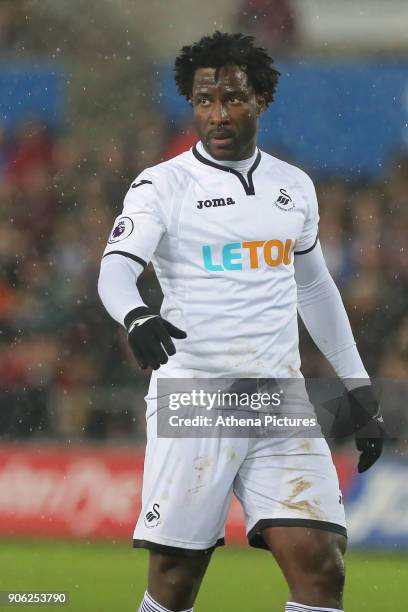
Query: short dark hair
point(223, 49)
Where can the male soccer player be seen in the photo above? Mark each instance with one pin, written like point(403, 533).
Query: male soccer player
point(232, 234)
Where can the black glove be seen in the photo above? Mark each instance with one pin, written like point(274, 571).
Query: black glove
point(366, 417)
point(149, 337)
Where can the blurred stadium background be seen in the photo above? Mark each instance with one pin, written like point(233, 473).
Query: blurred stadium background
point(86, 102)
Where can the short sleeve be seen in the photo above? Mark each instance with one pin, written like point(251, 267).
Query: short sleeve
point(308, 238)
point(138, 230)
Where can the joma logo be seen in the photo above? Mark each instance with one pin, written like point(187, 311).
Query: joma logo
point(215, 202)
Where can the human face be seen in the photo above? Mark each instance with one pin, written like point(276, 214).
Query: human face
point(226, 112)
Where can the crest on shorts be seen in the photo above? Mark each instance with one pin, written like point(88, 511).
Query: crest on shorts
point(152, 517)
point(284, 201)
point(123, 228)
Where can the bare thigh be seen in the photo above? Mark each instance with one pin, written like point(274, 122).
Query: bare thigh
point(311, 561)
point(174, 580)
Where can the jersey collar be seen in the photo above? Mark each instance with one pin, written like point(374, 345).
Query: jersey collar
point(247, 183)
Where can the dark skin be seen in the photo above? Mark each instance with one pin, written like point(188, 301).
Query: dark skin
point(311, 561)
point(226, 112)
point(226, 116)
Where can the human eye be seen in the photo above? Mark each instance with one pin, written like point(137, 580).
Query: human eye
point(235, 99)
point(203, 101)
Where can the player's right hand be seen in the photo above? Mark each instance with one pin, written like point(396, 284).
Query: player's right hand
point(150, 337)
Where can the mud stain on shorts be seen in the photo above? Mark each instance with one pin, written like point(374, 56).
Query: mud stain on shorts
point(309, 508)
point(200, 465)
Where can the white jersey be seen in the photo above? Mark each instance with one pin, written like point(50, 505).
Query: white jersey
point(222, 245)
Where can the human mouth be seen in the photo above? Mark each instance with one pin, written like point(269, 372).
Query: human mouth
point(221, 138)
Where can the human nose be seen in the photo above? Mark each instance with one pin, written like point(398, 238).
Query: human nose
point(219, 113)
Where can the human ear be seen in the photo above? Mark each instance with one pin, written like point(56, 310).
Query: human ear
point(260, 105)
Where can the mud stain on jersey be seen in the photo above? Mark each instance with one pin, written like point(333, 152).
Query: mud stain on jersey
point(293, 373)
point(242, 356)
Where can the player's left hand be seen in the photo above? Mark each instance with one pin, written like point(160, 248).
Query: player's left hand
point(368, 423)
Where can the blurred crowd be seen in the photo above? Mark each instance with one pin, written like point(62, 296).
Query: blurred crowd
point(65, 368)
point(274, 23)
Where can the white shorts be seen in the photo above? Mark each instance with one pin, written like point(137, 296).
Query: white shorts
point(188, 484)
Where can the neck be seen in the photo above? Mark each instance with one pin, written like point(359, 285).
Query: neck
point(241, 165)
point(247, 154)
